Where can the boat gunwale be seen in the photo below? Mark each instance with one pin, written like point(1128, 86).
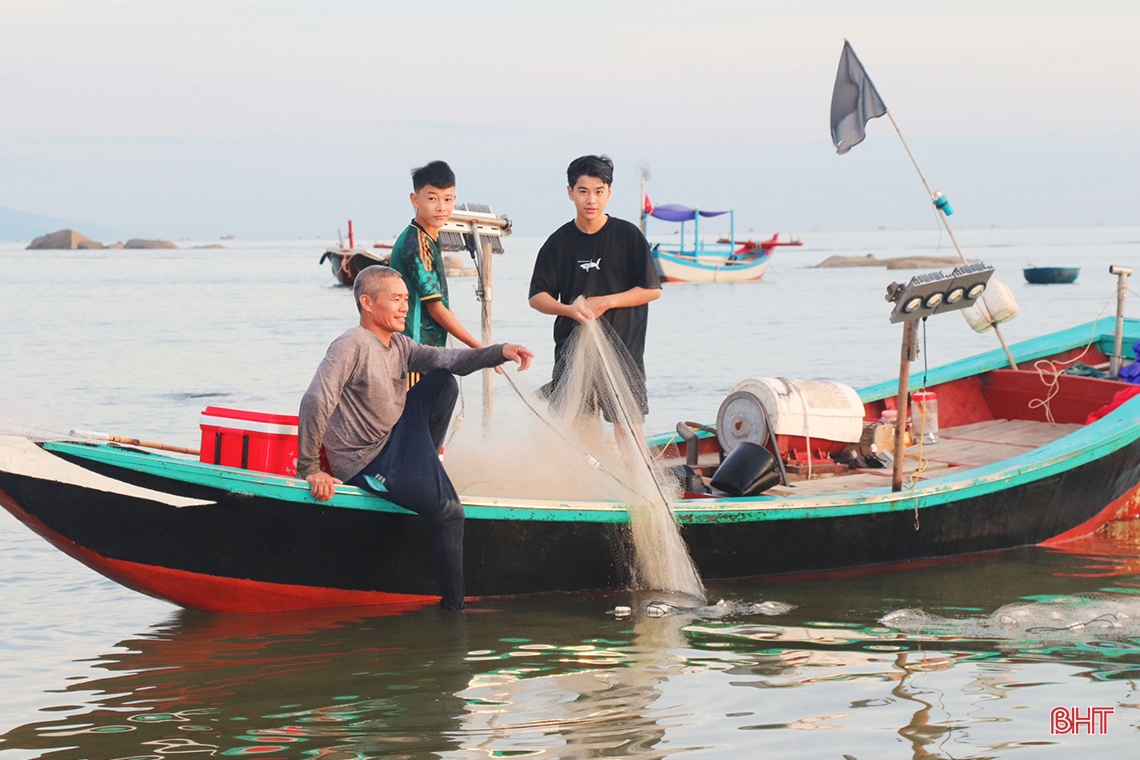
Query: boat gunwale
point(1111, 433)
point(1098, 332)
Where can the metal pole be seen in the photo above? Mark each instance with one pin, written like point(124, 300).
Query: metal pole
point(1117, 357)
point(949, 229)
point(901, 404)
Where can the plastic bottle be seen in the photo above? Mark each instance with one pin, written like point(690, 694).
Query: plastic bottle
point(890, 417)
point(924, 415)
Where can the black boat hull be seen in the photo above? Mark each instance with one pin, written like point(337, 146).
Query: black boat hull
point(248, 553)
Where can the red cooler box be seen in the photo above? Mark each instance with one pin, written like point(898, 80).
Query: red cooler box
point(249, 440)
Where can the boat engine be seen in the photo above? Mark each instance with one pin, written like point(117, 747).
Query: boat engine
point(806, 423)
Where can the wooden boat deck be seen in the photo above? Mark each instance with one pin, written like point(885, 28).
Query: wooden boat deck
point(958, 449)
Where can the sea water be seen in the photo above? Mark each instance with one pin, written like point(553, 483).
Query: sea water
point(138, 342)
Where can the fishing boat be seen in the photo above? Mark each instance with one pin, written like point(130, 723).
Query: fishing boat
point(346, 261)
point(1051, 275)
point(472, 227)
point(726, 260)
point(1022, 458)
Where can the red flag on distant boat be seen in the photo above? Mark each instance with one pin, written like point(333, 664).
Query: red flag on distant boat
point(648, 204)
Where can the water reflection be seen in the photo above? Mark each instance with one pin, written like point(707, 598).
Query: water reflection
point(603, 704)
point(318, 685)
point(1111, 551)
point(556, 676)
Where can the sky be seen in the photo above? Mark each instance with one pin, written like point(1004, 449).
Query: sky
point(283, 119)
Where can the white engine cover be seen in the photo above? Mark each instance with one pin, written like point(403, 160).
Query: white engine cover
point(806, 408)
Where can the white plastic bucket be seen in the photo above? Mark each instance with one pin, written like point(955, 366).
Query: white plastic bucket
point(995, 305)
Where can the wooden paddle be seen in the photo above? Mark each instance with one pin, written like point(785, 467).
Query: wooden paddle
point(133, 442)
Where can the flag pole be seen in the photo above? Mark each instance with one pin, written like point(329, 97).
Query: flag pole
point(949, 230)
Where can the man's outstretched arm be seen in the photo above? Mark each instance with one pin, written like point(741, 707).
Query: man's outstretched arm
point(464, 361)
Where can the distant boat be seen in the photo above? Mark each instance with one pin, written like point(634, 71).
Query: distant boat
point(470, 225)
point(727, 260)
point(346, 262)
point(1051, 275)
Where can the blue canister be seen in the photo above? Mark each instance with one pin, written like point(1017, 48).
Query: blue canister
point(942, 203)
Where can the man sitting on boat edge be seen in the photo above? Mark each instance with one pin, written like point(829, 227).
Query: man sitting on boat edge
point(379, 435)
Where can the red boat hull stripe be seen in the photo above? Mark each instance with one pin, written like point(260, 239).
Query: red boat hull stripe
point(1127, 507)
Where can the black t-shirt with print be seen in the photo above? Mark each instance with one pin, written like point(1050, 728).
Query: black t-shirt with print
point(612, 260)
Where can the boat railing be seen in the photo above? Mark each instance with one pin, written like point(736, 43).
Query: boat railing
point(718, 250)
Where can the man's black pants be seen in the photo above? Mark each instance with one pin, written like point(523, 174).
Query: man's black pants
point(407, 472)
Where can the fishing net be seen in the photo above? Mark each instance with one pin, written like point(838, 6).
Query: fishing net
point(21, 421)
point(560, 450)
point(1076, 616)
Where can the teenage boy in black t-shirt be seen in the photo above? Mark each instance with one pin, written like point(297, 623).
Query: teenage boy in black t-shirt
point(605, 260)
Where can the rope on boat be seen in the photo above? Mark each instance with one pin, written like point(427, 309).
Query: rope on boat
point(665, 447)
point(922, 462)
point(1050, 371)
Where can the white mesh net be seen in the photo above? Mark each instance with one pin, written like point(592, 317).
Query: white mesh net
point(1076, 616)
point(559, 450)
point(19, 420)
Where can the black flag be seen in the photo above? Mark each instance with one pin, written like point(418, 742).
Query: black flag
point(854, 102)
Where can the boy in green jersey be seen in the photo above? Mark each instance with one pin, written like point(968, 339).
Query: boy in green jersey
point(417, 257)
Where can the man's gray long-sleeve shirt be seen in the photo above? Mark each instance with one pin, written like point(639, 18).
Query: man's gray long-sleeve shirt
point(358, 394)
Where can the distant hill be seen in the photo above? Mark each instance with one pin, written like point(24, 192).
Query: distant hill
point(20, 226)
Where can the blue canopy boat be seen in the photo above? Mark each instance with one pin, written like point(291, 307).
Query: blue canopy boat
point(727, 260)
point(1008, 470)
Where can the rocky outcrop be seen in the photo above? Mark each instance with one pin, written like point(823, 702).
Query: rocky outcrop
point(922, 262)
point(62, 240)
point(457, 265)
point(899, 262)
point(72, 240)
point(150, 244)
point(851, 261)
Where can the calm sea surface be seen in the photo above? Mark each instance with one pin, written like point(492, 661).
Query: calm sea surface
point(138, 342)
